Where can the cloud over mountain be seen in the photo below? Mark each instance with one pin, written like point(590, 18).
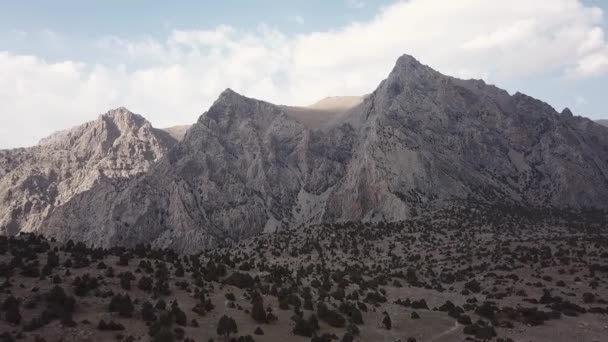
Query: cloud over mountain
point(177, 78)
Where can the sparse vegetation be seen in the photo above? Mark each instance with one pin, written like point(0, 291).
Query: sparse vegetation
point(360, 280)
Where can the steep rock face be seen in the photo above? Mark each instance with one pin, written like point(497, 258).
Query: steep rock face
point(34, 181)
point(420, 141)
point(428, 139)
point(240, 170)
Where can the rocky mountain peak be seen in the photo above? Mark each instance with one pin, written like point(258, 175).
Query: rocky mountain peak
point(408, 62)
point(35, 181)
point(420, 141)
point(99, 135)
point(232, 109)
point(567, 112)
point(408, 70)
point(124, 119)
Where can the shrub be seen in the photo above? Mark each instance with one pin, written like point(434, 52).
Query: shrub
point(226, 326)
point(240, 280)
point(304, 327)
point(180, 316)
point(122, 305)
point(354, 315)
point(257, 311)
point(84, 284)
point(147, 312)
point(331, 317)
point(111, 326)
point(473, 286)
point(11, 307)
point(386, 322)
point(145, 284)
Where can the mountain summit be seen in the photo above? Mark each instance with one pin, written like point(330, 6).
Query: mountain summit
point(35, 181)
point(420, 141)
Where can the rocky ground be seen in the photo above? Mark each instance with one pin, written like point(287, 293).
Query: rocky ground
point(468, 272)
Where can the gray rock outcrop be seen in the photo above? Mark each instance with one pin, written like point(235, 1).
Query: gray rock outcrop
point(35, 181)
point(420, 141)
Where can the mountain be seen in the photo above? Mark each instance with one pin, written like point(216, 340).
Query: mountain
point(177, 132)
point(602, 122)
point(420, 141)
point(324, 112)
point(35, 181)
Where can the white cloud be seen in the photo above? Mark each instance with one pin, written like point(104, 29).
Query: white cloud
point(590, 65)
point(174, 80)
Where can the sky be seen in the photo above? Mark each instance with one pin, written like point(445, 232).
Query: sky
point(64, 62)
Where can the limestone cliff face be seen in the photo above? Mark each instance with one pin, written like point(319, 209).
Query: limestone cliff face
point(35, 181)
point(427, 138)
point(420, 141)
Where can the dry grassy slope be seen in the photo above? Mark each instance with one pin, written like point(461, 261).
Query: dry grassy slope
point(511, 255)
point(177, 132)
point(324, 112)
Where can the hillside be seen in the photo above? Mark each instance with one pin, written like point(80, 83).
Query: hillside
point(419, 142)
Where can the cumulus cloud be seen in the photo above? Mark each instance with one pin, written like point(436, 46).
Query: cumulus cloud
point(173, 80)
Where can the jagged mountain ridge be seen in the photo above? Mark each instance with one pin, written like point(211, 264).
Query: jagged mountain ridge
point(36, 180)
point(420, 141)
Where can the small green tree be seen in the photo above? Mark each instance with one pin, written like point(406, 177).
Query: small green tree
point(388, 324)
point(257, 311)
point(226, 326)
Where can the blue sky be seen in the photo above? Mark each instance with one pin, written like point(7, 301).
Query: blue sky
point(138, 17)
point(64, 62)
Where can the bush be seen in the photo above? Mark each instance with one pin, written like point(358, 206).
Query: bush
point(11, 307)
point(145, 284)
point(164, 335)
point(386, 322)
point(226, 326)
point(161, 304)
point(240, 280)
point(125, 280)
point(123, 260)
point(257, 311)
point(147, 312)
point(180, 316)
point(354, 315)
point(473, 286)
point(110, 326)
point(331, 317)
point(588, 298)
point(84, 284)
point(305, 328)
point(122, 305)
point(480, 330)
point(420, 304)
point(58, 306)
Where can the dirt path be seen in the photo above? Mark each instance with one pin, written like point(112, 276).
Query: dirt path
point(444, 333)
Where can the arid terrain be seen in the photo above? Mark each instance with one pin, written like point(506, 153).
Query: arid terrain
point(467, 272)
point(307, 171)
